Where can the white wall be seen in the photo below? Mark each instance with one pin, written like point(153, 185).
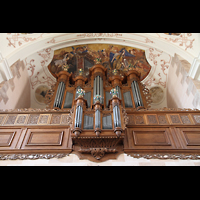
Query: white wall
point(181, 90)
point(16, 92)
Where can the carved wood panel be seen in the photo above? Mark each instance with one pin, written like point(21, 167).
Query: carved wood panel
point(190, 137)
point(150, 138)
point(163, 119)
point(46, 139)
point(9, 138)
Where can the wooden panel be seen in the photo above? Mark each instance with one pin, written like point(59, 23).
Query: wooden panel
point(139, 119)
point(162, 119)
point(21, 119)
point(44, 119)
point(46, 139)
point(6, 138)
point(193, 138)
point(50, 138)
point(196, 119)
point(2, 118)
point(150, 138)
point(186, 119)
point(9, 138)
point(190, 137)
point(10, 119)
point(152, 119)
point(174, 119)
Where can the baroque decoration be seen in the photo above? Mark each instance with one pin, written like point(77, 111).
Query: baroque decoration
point(110, 56)
point(98, 107)
point(182, 39)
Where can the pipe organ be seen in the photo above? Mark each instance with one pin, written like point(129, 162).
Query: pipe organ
point(99, 113)
point(98, 117)
point(92, 110)
point(98, 104)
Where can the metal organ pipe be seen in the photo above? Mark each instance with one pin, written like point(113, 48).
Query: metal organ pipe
point(98, 87)
point(101, 89)
point(119, 117)
point(59, 95)
point(97, 119)
point(119, 92)
point(78, 117)
point(136, 94)
point(116, 115)
point(140, 98)
point(94, 87)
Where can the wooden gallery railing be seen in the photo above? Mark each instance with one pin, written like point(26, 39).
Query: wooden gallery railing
point(98, 119)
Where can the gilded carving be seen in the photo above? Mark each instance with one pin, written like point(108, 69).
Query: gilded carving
point(125, 117)
point(49, 96)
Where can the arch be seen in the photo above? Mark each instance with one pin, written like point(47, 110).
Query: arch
point(58, 40)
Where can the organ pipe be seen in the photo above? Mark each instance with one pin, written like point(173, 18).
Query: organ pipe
point(78, 117)
point(136, 94)
point(59, 95)
point(97, 119)
point(119, 92)
point(117, 119)
point(98, 87)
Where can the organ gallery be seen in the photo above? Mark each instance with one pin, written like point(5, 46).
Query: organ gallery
point(97, 109)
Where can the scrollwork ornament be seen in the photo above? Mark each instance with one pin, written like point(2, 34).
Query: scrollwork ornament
point(126, 118)
point(30, 156)
point(173, 156)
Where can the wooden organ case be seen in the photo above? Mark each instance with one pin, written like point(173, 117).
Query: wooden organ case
point(99, 117)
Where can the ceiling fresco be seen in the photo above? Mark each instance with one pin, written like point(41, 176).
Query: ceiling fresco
point(83, 57)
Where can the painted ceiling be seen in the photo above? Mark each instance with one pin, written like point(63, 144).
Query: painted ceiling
point(111, 56)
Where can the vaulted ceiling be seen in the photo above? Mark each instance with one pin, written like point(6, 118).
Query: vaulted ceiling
point(153, 53)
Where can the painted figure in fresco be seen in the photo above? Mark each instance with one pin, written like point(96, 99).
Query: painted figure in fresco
point(62, 61)
point(119, 59)
point(142, 67)
point(137, 53)
point(112, 57)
